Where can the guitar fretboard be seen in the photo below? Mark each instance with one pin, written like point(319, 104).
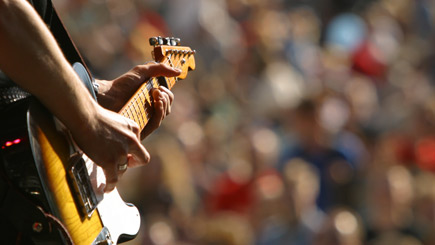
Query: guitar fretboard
point(140, 106)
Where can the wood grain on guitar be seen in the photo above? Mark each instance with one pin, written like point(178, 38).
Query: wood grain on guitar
point(60, 163)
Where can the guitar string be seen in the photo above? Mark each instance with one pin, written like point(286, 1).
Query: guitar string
point(154, 84)
point(132, 106)
point(153, 80)
point(128, 108)
point(128, 113)
point(100, 174)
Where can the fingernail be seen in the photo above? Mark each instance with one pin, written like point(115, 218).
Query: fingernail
point(177, 70)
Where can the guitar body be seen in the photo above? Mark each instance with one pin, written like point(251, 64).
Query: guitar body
point(53, 187)
point(41, 159)
point(51, 151)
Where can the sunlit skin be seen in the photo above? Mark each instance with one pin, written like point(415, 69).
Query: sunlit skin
point(108, 138)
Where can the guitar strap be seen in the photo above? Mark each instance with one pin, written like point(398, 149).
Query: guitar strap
point(65, 42)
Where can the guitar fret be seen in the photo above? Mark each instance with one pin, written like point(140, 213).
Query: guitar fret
point(142, 106)
point(127, 112)
point(155, 83)
point(149, 86)
point(144, 122)
point(140, 122)
point(134, 113)
point(140, 109)
point(147, 94)
point(131, 113)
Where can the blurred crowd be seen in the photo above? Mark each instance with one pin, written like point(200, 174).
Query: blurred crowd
point(305, 122)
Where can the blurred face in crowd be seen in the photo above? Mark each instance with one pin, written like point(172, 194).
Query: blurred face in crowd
point(305, 124)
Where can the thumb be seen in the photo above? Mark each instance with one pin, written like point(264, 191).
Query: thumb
point(140, 155)
point(159, 69)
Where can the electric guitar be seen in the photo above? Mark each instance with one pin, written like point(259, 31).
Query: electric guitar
point(41, 159)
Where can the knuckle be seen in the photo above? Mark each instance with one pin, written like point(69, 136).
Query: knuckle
point(150, 62)
point(135, 128)
point(137, 69)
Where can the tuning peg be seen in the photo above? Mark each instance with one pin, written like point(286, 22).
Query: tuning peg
point(154, 41)
point(161, 40)
point(171, 41)
point(166, 41)
point(174, 41)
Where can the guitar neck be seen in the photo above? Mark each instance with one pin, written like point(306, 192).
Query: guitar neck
point(140, 106)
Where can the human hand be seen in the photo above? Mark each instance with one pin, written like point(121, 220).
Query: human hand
point(162, 101)
point(114, 94)
point(111, 141)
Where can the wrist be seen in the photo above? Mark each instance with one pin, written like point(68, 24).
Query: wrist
point(101, 87)
point(105, 96)
point(85, 118)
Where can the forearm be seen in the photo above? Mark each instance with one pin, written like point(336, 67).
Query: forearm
point(30, 56)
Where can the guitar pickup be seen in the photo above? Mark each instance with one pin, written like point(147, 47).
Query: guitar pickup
point(79, 181)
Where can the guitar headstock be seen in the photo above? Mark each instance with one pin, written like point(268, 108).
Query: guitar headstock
point(168, 50)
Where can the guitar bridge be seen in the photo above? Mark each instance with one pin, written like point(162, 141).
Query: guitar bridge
point(81, 184)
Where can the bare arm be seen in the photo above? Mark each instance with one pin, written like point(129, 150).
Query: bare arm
point(30, 56)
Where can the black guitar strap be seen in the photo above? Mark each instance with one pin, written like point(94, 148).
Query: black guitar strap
point(64, 40)
point(70, 50)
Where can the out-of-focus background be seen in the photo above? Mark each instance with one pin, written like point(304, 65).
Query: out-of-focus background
point(305, 122)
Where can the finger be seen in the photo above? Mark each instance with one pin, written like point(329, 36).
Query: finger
point(166, 104)
point(157, 69)
point(162, 97)
point(155, 121)
point(111, 174)
point(168, 92)
point(133, 126)
point(139, 155)
point(160, 101)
